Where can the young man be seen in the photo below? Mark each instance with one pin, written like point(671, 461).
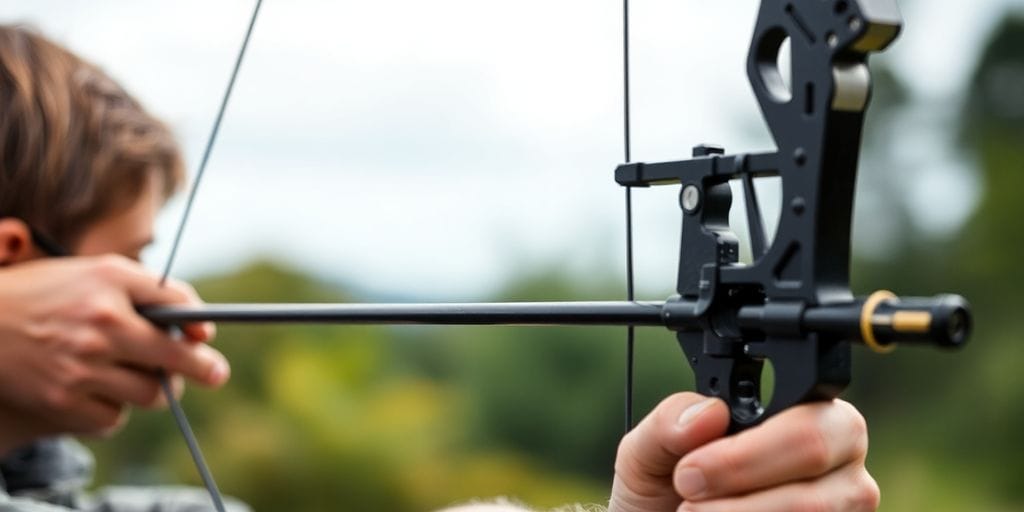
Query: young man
point(84, 171)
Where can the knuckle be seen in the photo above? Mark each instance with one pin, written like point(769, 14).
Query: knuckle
point(89, 342)
point(102, 312)
point(625, 449)
point(634, 474)
point(867, 496)
point(73, 374)
point(816, 448)
point(859, 433)
point(185, 289)
point(852, 418)
point(57, 398)
point(109, 266)
point(858, 425)
point(44, 333)
point(625, 459)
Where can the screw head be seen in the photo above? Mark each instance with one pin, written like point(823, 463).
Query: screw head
point(798, 205)
point(832, 39)
point(689, 198)
point(800, 156)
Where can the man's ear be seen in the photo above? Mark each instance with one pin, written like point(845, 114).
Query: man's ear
point(15, 242)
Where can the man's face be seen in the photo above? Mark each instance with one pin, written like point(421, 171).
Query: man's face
point(126, 232)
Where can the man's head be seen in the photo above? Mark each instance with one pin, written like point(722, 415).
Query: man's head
point(81, 162)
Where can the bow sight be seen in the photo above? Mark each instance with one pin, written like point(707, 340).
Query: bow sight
point(792, 304)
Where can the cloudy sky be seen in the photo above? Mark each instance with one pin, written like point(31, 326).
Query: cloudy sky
point(437, 149)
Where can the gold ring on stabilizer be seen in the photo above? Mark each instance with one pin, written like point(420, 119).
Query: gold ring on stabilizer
point(867, 331)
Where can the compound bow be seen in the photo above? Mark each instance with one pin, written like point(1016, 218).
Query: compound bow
point(792, 305)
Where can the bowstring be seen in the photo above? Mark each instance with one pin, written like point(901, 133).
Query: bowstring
point(630, 330)
point(179, 414)
point(209, 147)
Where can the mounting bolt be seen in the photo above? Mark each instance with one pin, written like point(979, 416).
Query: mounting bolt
point(832, 39)
point(799, 205)
point(800, 156)
point(689, 199)
point(707, 150)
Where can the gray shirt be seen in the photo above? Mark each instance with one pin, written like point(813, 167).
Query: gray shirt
point(51, 475)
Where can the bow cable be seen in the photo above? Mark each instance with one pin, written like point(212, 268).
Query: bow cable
point(630, 330)
point(175, 407)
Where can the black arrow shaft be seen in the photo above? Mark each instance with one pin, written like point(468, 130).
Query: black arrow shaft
point(487, 313)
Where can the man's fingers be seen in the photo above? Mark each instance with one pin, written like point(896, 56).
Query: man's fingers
point(79, 340)
point(200, 363)
point(118, 384)
point(801, 443)
point(648, 454)
point(676, 426)
point(128, 339)
point(196, 331)
point(136, 342)
point(144, 288)
point(849, 489)
point(197, 362)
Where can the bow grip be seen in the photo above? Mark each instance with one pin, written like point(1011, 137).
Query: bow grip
point(808, 347)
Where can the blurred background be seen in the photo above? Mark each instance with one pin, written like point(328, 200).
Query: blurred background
point(461, 150)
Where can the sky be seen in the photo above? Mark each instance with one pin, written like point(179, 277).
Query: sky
point(436, 150)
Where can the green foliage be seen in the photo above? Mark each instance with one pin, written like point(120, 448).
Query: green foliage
point(995, 103)
point(946, 427)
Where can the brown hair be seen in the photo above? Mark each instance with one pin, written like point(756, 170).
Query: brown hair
point(74, 146)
